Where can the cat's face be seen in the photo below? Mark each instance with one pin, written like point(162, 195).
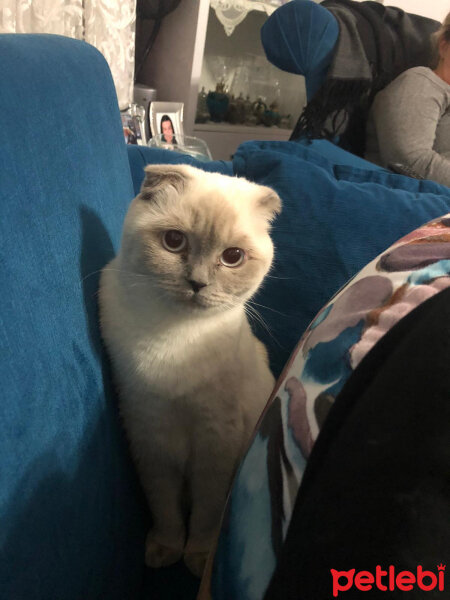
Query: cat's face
point(201, 238)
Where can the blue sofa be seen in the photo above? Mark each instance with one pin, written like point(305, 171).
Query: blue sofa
point(73, 518)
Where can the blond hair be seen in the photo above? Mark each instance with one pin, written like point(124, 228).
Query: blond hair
point(443, 33)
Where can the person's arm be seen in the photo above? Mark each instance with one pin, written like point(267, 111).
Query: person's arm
point(406, 117)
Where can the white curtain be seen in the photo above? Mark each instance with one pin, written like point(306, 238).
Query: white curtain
point(232, 12)
point(109, 25)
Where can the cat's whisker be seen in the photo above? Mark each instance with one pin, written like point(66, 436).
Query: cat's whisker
point(252, 312)
point(284, 278)
point(159, 293)
point(265, 326)
point(90, 275)
point(252, 302)
point(258, 319)
point(128, 273)
point(136, 284)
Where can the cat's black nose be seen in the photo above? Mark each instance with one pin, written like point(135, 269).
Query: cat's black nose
point(196, 285)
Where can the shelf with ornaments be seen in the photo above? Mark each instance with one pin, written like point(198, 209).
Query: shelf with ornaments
point(239, 89)
point(272, 131)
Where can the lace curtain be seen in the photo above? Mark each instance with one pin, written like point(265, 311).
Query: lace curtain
point(109, 25)
point(232, 12)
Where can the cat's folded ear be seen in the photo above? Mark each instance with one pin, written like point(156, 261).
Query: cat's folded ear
point(158, 177)
point(269, 203)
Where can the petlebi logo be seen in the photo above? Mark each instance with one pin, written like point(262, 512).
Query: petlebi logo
point(388, 580)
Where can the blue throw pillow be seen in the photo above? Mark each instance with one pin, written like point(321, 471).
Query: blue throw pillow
point(335, 219)
point(139, 156)
point(338, 156)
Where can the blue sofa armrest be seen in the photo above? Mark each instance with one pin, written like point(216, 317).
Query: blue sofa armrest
point(73, 518)
point(140, 156)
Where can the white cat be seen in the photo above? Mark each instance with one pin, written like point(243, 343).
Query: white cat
point(192, 377)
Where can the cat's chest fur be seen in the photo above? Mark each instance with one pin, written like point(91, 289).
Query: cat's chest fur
point(171, 355)
point(182, 360)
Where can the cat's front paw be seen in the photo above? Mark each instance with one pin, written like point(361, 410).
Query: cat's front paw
point(159, 555)
point(195, 562)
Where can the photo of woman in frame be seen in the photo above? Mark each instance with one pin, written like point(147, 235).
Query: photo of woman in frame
point(167, 130)
point(166, 122)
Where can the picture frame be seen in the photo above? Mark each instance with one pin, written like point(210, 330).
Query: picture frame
point(133, 125)
point(166, 121)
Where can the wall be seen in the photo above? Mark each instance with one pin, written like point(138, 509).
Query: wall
point(434, 9)
point(174, 64)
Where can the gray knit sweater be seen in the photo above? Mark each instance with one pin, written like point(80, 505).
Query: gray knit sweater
point(409, 124)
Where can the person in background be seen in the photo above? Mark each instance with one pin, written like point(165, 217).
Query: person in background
point(408, 129)
point(167, 130)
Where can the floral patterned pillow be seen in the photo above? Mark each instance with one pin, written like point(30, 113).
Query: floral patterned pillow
point(264, 491)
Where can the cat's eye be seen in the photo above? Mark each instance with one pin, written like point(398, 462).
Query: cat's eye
point(232, 257)
point(174, 240)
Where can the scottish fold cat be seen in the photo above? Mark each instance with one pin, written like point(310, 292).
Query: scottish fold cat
point(192, 377)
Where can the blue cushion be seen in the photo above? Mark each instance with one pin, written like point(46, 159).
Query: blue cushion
point(72, 514)
point(335, 219)
point(139, 156)
point(299, 37)
point(338, 156)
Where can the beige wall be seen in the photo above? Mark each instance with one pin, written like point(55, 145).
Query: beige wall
point(435, 9)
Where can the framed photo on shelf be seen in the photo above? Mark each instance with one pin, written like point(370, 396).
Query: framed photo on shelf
point(133, 124)
point(166, 121)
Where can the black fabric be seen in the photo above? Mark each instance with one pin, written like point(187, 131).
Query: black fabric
point(376, 490)
point(389, 41)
